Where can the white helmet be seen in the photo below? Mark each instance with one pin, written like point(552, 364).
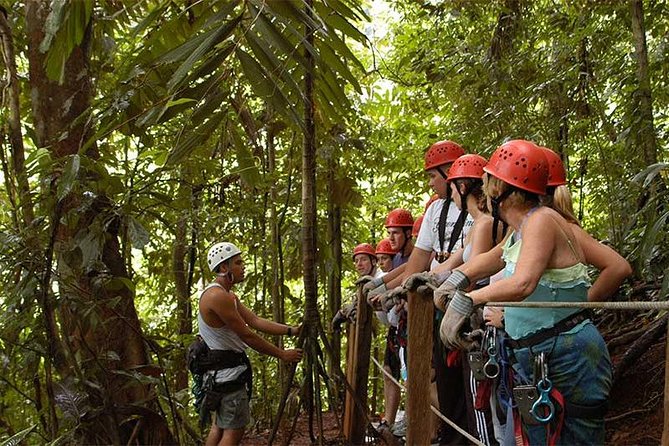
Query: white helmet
point(221, 252)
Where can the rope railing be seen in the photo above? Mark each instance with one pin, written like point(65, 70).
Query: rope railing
point(587, 305)
point(434, 409)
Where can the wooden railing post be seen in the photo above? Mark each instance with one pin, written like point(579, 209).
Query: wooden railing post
point(419, 351)
point(357, 372)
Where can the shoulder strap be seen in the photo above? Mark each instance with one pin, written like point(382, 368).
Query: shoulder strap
point(442, 222)
point(569, 241)
point(457, 230)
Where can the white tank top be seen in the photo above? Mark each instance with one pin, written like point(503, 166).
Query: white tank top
point(221, 338)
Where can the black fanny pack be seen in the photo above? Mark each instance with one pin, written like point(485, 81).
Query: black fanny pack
point(565, 324)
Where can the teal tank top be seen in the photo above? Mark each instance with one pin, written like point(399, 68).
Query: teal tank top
point(556, 285)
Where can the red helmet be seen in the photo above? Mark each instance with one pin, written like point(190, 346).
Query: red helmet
point(416, 226)
point(432, 199)
point(364, 248)
point(521, 164)
point(467, 166)
point(384, 247)
point(399, 218)
point(556, 173)
point(442, 152)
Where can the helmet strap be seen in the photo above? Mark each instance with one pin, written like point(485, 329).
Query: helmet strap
point(442, 173)
point(496, 216)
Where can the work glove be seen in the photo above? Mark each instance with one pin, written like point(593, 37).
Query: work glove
point(363, 280)
point(338, 320)
point(373, 296)
point(456, 322)
point(457, 280)
point(393, 297)
point(435, 279)
point(373, 284)
point(350, 311)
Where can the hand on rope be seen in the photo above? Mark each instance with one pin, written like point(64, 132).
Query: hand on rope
point(372, 285)
point(457, 280)
point(451, 330)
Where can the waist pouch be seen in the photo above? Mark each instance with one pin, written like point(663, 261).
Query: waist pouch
point(565, 324)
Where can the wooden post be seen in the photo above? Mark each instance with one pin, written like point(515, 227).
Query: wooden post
point(419, 350)
point(355, 417)
point(665, 430)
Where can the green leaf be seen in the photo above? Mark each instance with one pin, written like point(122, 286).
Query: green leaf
point(220, 34)
point(649, 173)
point(273, 65)
point(17, 439)
point(180, 101)
point(274, 37)
point(139, 236)
point(248, 171)
point(69, 176)
point(193, 138)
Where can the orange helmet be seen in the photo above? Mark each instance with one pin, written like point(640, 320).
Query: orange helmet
point(384, 247)
point(364, 248)
point(467, 166)
point(556, 173)
point(521, 164)
point(416, 226)
point(399, 218)
point(442, 152)
point(432, 199)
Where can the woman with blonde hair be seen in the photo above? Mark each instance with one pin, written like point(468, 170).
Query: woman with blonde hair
point(558, 352)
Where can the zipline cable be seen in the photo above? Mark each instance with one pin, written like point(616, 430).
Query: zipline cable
point(648, 305)
point(592, 305)
point(434, 409)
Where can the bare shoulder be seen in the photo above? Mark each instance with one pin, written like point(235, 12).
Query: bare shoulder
point(217, 296)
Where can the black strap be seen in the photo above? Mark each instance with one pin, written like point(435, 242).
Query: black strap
point(442, 222)
point(565, 324)
point(201, 358)
point(496, 217)
point(457, 229)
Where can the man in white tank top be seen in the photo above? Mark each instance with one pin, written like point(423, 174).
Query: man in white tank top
point(224, 325)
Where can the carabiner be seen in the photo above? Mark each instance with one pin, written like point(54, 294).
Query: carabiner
point(491, 368)
point(543, 403)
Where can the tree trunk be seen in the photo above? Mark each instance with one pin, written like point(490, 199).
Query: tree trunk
point(276, 286)
point(98, 319)
point(14, 121)
point(184, 309)
point(334, 271)
point(643, 103)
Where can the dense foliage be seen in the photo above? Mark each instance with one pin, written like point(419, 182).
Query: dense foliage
point(193, 135)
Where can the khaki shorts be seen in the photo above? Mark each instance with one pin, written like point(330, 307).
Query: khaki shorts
point(234, 412)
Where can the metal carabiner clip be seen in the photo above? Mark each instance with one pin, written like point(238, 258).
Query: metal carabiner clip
point(491, 367)
point(543, 403)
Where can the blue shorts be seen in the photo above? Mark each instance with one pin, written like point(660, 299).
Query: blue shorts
point(579, 367)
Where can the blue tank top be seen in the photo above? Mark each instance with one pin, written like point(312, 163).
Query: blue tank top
point(556, 285)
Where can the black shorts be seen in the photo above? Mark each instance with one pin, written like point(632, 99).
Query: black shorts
point(392, 356)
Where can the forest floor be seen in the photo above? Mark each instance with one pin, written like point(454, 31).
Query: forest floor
point(635, 415)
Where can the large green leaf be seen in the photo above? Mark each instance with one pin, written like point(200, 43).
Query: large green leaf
point(192, 138)
point(248, 170)
point(19, 437)
point(208, 44)
point(69, 176)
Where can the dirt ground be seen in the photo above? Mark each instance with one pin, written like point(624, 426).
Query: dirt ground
point(635, 414)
